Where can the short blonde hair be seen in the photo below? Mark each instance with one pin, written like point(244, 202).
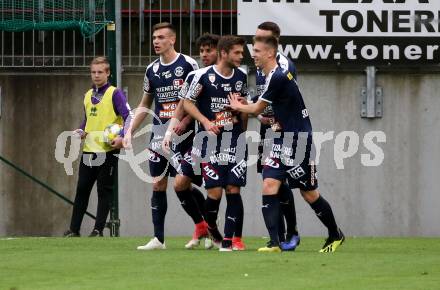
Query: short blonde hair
point(101, 60)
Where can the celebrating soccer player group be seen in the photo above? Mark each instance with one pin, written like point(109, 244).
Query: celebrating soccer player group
point(203, 142)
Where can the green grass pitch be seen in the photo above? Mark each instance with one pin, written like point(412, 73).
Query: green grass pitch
point(114, 263)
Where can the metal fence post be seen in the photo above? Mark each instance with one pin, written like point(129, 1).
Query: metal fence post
point(114, 221)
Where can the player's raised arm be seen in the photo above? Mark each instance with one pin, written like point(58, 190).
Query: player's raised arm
point(237, 105)
point(122, 108)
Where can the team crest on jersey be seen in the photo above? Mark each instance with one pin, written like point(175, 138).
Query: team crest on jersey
point(156, 67)
point(211, 78)
point(178, 82)
point(178, 71)
point(238, 86)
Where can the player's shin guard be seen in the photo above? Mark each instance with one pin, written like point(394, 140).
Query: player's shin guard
point(324, 212)
point(211, 211)
point(232, 214)
point(271, 214)
point(189, 205)
point(158, 211)
point(240, 216)
point(287, 206)
point(199, 199)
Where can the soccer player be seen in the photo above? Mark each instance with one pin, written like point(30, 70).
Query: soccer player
point(103, 105)
point(224, 158)
point(289, 236)
point(291, 150)
point(207, 44)
point(162, 83)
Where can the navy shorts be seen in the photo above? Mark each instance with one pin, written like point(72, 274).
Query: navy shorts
point(220, 165)
point(160, 165)
point(281, 164)
point(170, 166)
point(302, 176)
point(216, 172)
point(222, 175)
point(187, 169)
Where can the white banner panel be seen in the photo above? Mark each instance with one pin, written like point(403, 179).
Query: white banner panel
point(370, 18)
point(349, 31)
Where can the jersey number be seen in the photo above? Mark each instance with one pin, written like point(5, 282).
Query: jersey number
point(305, 113)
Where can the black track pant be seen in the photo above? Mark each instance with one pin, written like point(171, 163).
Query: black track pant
point(104, 175)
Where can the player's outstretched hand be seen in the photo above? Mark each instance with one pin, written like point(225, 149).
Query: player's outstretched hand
point(242, 100)
point(126, 143)
point(180, 128)
point(266, 120)
point(80, 133)
point(117, 143)
point(211, 128)
point(234, 102)
point(166, 142)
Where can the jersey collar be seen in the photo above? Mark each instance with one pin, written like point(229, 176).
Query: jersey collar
point(170, 63)
point(226, 78)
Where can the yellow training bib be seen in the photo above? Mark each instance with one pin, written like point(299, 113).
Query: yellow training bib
point(98, 117)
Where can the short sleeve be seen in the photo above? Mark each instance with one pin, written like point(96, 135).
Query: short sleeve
point(192, 62)
point(194, 91)
point(185, 86)
point(195, 87)
point(147, 87)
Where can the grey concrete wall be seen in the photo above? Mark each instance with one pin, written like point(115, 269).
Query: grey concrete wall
point(398, 198)
point(2, 178)
point(36, 108)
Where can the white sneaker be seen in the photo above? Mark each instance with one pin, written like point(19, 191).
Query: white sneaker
point(225, 249)
point(208, 244)
point(194, 243)
point(153, 244)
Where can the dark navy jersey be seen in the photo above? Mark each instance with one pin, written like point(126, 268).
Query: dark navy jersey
point(282, 92)
point(210, 91)
point(287, 66)
point(164, 81)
